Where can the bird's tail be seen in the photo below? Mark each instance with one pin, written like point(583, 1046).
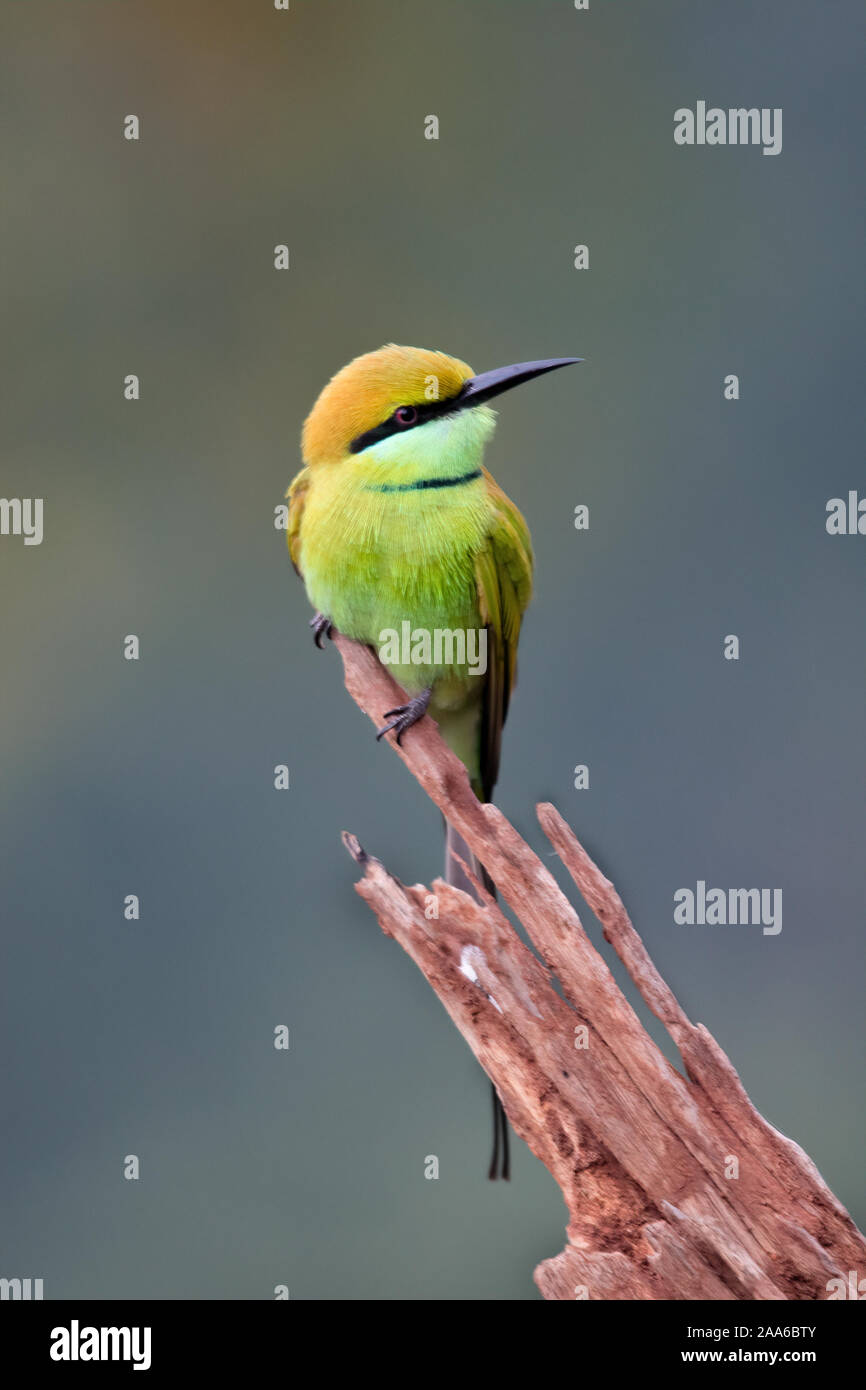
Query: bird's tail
point(500, 1164)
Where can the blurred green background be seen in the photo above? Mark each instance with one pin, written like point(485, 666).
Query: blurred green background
point(156, 778)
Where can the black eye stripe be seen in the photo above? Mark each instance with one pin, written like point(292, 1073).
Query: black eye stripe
point(430, 410)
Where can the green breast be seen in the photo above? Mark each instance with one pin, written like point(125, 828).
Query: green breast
point(397, 570)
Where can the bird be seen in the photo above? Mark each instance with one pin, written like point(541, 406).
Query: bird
point(396, 527)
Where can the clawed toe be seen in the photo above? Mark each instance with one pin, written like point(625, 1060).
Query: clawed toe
point(405, 716)
point(322, 627)
point(399, 723)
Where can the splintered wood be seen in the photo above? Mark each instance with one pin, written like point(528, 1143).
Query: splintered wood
point(676, 1188)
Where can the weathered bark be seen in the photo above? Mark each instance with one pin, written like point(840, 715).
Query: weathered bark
point(676, 1188)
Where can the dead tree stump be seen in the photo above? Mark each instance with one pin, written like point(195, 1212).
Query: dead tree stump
point(676, 1188)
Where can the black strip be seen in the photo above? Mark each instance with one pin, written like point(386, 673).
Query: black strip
point(430, 410)
point(427, 482)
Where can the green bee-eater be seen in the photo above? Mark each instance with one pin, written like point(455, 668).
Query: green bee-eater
point(400, 533)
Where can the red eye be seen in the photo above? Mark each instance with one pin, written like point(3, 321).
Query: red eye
point(406, 415)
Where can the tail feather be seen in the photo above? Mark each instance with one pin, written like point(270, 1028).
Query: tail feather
point(500, 1162)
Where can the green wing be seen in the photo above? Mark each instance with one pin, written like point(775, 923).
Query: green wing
point(297, 495)
point(503, 574)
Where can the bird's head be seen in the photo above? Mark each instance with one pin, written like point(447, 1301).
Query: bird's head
point(402, 410)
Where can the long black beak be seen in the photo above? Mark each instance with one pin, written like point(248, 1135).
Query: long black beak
point(488, 384)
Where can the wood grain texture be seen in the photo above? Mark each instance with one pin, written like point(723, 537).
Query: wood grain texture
point(643, 1155)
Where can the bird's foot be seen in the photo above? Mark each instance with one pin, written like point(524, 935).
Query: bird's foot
point(322, 627)
point(405, 715)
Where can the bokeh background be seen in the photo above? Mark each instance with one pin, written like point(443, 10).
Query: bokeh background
point(156, 778)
